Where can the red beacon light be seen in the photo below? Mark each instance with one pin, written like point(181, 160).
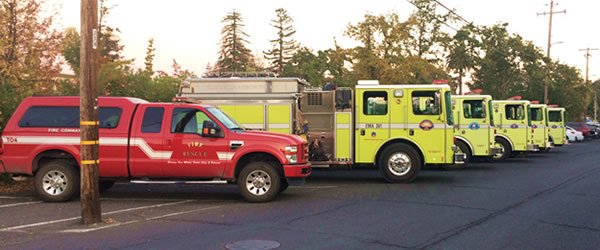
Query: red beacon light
point(440, 81)
point(535, 102)
point(553, 106)
point(515, 98)
point(474, 92)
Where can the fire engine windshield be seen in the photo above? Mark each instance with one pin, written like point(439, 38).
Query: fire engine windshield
point(229, 122)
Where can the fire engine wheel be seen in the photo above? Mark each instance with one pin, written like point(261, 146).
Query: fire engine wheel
point(57, 180)
point(259, 182)
point(461, 148)
point(399, 163)
point(506, 150)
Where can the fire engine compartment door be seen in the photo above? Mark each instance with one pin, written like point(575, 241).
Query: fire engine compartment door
point(192, 154)
point(343, 136)
point(427, 124)
point(280, 118)
point(372, 122)
point(250, 115)
point(474, 125)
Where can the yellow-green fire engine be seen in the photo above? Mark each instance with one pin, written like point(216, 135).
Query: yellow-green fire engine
point(539, 126)
point(556, 123)
point(397, 128)
point(512, 121)
point(474, 126)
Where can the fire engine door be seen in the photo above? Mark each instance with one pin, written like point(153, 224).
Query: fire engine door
point(474, 125)
point(193, 155)
point(516, 125)
point(372, 122)
point(427, 124)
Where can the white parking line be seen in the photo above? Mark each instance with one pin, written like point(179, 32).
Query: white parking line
point(134, 221)
point(6, 229)
point(15, 198)
point(20, 204)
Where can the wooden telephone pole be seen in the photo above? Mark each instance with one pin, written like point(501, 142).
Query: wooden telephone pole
point(549, 42)
point(587, 70)
point(88, 106)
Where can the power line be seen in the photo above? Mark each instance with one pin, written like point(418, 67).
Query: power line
point(433, 15)
point(453, 12)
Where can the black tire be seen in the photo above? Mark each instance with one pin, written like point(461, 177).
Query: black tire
point(105, 185)
point(284, 185)
point(259, 182)
point(464, 148)
point(57, 180)
point(389, 163)
point(507, 150)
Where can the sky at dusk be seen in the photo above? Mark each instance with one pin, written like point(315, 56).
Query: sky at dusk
point(189, 31)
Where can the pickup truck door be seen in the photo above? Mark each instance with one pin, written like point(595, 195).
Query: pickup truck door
point(193, 156)
point(146, 152)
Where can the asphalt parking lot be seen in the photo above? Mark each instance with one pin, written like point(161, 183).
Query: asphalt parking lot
point(542, 200)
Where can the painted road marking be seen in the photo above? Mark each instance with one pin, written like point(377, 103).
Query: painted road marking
point(6, 229)
point(135, 221)
point(21, 204)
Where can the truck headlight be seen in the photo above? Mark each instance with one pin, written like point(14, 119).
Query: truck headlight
point(291, 153)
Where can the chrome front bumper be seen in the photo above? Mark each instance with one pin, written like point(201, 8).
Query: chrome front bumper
point(459, 158)
point(496, 151)
point(533, 147)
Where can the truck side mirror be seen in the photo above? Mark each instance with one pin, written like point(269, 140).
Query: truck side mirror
point(438, 102)
point(210, 129)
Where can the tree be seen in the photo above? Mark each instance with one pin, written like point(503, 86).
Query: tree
point(306, 65)
point(29, 47)
point(234, 56)
point(426, 35)
point(462, 53)
point(283, 46)
point(29, 50)
point(149, 56)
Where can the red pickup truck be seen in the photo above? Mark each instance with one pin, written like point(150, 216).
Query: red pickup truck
point(144, 142)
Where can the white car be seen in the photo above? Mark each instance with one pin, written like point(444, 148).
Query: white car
point(574, 135)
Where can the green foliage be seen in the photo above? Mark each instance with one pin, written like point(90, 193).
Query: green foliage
point(234, 56)
point(283, 46)
point(150, 56)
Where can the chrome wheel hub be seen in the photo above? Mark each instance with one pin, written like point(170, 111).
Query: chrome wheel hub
point(54, 182)
point(499, 145)
point(399, 164)
point(258, 182)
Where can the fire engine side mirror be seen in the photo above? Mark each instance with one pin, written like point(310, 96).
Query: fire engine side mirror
point(438, 102)
point(210, 129)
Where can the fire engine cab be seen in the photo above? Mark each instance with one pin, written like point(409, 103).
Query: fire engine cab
point(397, 128)
point(147, 143)
point(556, 124)
point(512, 119)
point(474, 125)
point(539, 126)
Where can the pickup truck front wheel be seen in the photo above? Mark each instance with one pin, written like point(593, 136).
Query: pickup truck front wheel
point(259, 182)
point(57, 180)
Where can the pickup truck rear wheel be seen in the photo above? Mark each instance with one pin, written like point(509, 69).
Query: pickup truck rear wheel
point(259, 182)
point(57, 180)
point(399, 163)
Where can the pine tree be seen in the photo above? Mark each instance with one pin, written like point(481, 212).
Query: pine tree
point(283, 47)
point(234, 56)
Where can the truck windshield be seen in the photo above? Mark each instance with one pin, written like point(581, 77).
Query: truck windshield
point(229, 122)
point(449, 115)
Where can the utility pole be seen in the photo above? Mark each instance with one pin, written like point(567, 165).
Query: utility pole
point(587, 70)
point(549, 42)
point(88, 114)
